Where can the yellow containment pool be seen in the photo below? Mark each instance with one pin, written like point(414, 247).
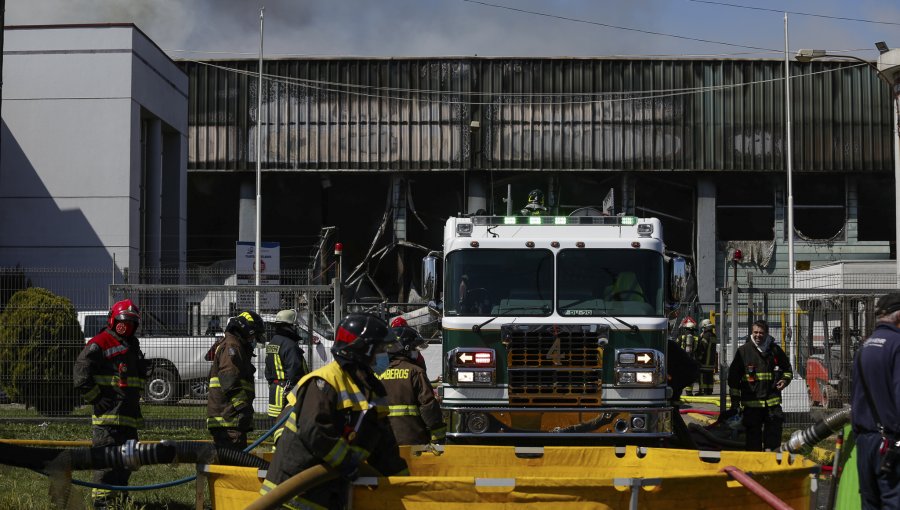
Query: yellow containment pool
point(483, 477)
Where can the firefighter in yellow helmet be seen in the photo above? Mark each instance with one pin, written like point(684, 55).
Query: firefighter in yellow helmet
point(285, 364)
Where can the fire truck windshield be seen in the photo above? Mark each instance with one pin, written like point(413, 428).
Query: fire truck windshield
point(488, 282)
point(622, 282)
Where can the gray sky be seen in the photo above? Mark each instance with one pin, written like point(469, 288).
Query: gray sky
point(206, 29)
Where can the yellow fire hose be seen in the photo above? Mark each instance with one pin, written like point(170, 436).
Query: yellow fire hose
point(301, 483)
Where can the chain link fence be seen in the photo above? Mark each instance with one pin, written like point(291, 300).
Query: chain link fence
point(182, 316)
point(820, 322)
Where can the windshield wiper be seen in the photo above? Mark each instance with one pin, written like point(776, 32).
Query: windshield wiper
point(477, 327)
point(634, 329)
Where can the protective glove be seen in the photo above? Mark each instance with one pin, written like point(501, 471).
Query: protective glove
point(349, 468)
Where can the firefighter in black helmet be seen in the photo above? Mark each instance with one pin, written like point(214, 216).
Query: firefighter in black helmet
point(535, 205)
point(229, 407)
point(414, 412)
point(339, 416)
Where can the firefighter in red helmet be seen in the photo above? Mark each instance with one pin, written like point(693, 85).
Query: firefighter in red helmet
point(339, 416)
point(110, 373)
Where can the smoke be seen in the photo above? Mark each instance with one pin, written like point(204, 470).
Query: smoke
point(228, 28)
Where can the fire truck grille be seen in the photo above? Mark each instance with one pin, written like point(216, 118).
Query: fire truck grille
point(554, 365)
point(542, 387)
point(544, 349)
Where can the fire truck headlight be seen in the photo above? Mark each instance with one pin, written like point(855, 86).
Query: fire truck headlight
point(626, 377)
point(645, 377)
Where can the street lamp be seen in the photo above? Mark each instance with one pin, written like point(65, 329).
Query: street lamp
point(888, 69)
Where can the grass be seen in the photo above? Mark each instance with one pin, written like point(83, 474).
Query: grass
point(25, 489)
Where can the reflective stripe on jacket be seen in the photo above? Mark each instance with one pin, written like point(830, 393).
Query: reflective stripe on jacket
point(753, 375)
point(231, 387)
point(413, 411)
point(110, 373)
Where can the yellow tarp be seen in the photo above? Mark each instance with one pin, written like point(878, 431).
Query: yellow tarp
point(476, 477)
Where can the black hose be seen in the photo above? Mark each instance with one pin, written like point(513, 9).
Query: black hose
point(132, 455)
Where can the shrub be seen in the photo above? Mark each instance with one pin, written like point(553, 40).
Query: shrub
point(39, 341)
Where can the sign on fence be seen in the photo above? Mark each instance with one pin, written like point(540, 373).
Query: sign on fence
point(270, 269)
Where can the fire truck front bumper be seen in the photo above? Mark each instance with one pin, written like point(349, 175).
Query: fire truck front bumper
point(614, 424)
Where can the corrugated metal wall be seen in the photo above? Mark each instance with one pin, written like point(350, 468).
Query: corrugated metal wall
point(536, 114)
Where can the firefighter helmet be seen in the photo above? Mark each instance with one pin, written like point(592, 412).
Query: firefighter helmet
point(705, 324)
point(536, 196)
point(689, 323)
point(359, 334)
point(247, 325)
point(408, 341)
point(398, 321)
point(286, 317)
point(124, 318)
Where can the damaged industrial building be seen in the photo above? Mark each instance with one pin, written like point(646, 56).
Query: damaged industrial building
point(384, 150)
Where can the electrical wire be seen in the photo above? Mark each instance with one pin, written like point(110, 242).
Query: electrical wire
point(782, 11)
point(331, 87)
point(617, 27)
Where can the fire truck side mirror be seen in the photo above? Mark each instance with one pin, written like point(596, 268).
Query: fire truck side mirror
point(430, 276)
point(678, 278)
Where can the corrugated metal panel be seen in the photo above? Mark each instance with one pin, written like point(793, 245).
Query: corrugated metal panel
point(537, 114)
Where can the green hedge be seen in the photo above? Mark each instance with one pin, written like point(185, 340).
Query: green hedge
point(39, 340)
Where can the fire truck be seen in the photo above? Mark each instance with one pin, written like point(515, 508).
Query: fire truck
point(554, 327)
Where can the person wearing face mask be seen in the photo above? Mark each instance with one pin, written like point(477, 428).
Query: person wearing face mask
point(339, 417)
point(229, 407)
point(109, 373)
point(757, 375)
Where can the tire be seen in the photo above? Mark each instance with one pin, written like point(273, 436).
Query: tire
point(162, 387)
point(198, 389)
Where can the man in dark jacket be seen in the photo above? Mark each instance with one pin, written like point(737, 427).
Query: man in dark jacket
point(338, 417)
point(110, 373)
point(285, 364)
point(229, 407)
point(758, 373)
point(875, 416)
point(413, 411)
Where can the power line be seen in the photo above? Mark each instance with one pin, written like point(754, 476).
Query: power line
point(617, 27)
point(340, 88)
point(811, 14)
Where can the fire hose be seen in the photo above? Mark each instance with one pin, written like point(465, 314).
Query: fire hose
point(818, 431)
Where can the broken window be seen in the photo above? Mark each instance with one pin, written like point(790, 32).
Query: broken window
point(745, 208)
point(820, 206)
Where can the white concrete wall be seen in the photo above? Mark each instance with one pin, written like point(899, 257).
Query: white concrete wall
point(70, 174)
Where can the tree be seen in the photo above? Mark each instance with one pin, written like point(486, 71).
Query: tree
point(39, 340)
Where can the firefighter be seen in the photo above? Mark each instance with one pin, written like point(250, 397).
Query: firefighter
point(285, 364)
point(339, 417)
point(687, 340)
point(705, 354)
point(229, 408)
point(110, 373)
point(413, 411)
point(757, 375)
point(535, 205)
